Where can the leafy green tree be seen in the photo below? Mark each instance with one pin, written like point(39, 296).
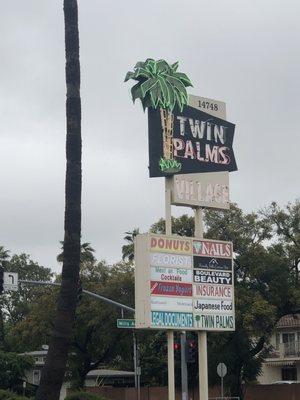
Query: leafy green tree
point(54, 370)
point(183, 226)
point(96, 339)
point(12, 369)
point(15, 305)
point(286, 223)
point(263, 290)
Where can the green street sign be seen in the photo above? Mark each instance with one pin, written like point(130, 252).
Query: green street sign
point(126, 323)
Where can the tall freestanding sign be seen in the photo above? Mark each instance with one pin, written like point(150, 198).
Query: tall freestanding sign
point(184, 283)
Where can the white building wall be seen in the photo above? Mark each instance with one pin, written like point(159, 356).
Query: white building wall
point(298, 370)
point(269, 374)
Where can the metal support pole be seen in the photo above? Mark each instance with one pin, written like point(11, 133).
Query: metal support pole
point(184, 375)
point(198, 223)
point(95, 295)
point(202, 336)
point(171, 375)
point(138, 372)
point(170, 334)
point(168, 206)
point(134, 360)
point(222, 387)
point(202, 355)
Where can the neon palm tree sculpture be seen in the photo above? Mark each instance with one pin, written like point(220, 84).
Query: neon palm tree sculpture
point(159, 85)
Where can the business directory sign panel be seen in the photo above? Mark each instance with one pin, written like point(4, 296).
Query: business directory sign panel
point(183, 283)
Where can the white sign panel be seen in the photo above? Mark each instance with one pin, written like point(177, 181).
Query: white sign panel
point(10, 281)
point(202, 190)
point(213, 291)
point(170, 260)
point(164, 303)
point(171, 275)
point(213, 322)
point(213, 107)
point(172, 292)
point(205, 189)
point(212, 306)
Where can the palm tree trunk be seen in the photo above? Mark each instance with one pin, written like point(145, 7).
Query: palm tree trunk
point(54, 370)
point(167, 120)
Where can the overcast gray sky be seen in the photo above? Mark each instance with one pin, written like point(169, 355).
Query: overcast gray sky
point(244, 52)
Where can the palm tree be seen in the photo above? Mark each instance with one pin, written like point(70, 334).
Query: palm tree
point(159, 85)
point(128, 249)
point(54, 371)
point(86, 253)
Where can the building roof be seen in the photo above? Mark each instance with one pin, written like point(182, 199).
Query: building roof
point(289, 321)
point(109, 373)
point(35, 353)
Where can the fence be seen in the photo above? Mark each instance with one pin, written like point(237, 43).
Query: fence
point(224, 398)
point(253, 392)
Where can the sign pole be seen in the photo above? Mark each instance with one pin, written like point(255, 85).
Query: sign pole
point(170, 334)
point(171, 375)
point(202, 336)
point(222, 371)
point(134, 360)
point(222, 388)
point(184, 375)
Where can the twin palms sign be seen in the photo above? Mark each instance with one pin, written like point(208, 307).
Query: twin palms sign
point(160, 86)
point(182, 139)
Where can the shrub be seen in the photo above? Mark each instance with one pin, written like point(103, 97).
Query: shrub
point(83, 396)
point(8, 395)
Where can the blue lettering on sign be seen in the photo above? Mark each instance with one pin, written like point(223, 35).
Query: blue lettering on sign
point(173, 319)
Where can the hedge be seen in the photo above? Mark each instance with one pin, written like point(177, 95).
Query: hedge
point(8, 395)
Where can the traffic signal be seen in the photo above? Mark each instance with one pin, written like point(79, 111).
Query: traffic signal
point(191, 351)
point(1, 280)
point(177, 348)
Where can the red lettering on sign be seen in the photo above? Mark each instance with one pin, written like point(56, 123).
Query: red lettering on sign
point(171, 288)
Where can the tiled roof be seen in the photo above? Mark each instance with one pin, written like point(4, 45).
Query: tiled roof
point(109, 373)
point(289, 321)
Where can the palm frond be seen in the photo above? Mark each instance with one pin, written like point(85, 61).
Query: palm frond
point(159, 84)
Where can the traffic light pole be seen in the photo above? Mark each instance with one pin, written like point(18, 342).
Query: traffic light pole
point(202, 336)
point(184, 374)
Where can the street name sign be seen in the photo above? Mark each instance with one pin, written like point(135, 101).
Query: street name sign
point(183, 283)
point(126, 323)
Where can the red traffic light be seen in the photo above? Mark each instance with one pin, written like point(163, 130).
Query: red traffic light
point(192, 344)
point(176, 346)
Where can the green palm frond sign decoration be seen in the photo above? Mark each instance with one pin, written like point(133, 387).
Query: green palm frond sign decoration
point(160, 85)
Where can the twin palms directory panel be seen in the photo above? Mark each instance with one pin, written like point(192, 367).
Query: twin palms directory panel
point(183, 283)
